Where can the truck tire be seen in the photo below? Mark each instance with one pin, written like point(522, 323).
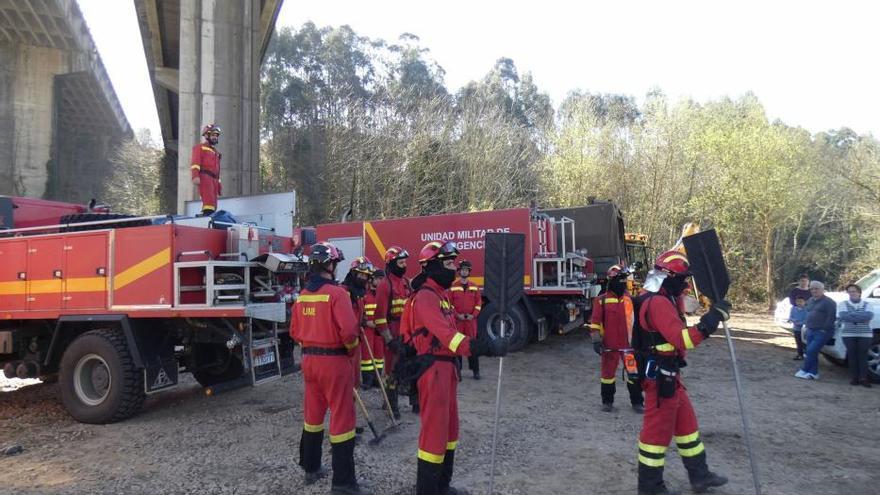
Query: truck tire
point(94, 217)
point(98, 379)
point(229, 366)
point(874, 359)
point(519, 326)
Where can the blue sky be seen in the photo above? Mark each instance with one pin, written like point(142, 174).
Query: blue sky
point(812, 64)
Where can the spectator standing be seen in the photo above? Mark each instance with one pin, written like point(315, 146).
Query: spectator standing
point(798, 316)
point(854, 318)
point(802, 289)
point(821, 318)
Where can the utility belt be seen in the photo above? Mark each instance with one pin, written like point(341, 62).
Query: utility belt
point(324, 351)
point(208, 173)
point(664, 370)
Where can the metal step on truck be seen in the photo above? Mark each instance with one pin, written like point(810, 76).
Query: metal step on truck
point(117, 307)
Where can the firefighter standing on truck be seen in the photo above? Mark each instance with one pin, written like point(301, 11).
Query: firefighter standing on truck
point(205, 168)
point(429, 325)
point(375, 341)
point(325, 325)
point(355, 283)
point(662, 337)
point(611, 326)
point(391, 295)
point(467, 302)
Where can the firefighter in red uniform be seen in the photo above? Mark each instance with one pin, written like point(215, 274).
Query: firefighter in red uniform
point(205, 168)
point(324, 324)
point(391, 295)
point(467, 302)
point(376, 342)
point(430, 327)
point(662, 337)
point(356, 283)
point(611, 325)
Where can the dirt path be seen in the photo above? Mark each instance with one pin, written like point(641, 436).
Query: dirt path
point(811, 437)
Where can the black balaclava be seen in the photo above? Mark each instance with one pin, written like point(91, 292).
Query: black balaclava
point(440, 274)
point(617, 285)
point(674, 285)
point(396, 270)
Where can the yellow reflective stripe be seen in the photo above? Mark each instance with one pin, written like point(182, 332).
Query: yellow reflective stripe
point(370, 306)
point(144, 267)
point(380, 321)
point(351, 345)
point(87, 284)
point(451, 445)
point(596, 326)
point(342, 438)
point(607, 381)
point(374, 237)
point(398, 301)
point(369, 313)
point(647, 461)
point(473, 288)
point(456, 340)
point(432, 458)
point(313, 428)
point(44, 286)
point(444, 304)
point(654, 449)
point(477, 308)
point(692, 451)
point(609, 300)
point(665, 347)
point(208, 207)
point(457, 289)
point(17, 287)
point(686, 336)
point(314, 298)
point(675, 257)
point(205, 148)
point(687, 438)
point(195, 166)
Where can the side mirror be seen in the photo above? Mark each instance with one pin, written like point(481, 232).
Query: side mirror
point(876, 293)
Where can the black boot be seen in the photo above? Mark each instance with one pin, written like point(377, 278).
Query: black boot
point(367, 378)
point(635, 396)
point(310, 455)
point(651, 481)
point(446, 476)
point(608, 390)
point(344, 481)
point(428, 478)
point(392, 399)
point(474, 365)
point(698, 471)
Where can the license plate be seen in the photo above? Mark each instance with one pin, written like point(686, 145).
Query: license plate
point(264, 356)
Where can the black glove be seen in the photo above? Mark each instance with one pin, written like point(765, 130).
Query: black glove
point(709, 323)
point(498, 346)
point(722, 307)
point(598, 347)
point(394, 345)
point(479, 347)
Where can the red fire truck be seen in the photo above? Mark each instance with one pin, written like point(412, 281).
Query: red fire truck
point(116, 307)
point(560, 276)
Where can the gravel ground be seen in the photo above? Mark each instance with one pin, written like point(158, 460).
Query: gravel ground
point(810, 437)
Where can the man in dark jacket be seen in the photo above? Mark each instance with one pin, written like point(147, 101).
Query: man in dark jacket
point(821, 316)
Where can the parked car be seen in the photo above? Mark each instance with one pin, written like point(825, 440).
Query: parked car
point(835, 351)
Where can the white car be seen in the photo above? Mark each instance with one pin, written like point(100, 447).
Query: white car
point(836, 352)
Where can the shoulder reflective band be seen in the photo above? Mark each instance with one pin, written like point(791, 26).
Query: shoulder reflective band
point(308, 298)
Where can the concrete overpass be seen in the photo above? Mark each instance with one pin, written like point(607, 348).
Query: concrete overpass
point(204, 60)
point(59, 116)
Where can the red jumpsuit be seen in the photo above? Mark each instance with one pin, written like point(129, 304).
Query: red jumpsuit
point(612, 320)
point(377, 344)
point(206, 166)
point(325, 325)
point(431, 325)
point(466, 299)
point(391, 295)
point(667, 418)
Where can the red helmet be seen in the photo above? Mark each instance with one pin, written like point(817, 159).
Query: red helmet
point(673, 263)
point(362, 264)
point(437, 251)
point(395, 253)
point(211, 129)
point(614, 271)
point(324, 253)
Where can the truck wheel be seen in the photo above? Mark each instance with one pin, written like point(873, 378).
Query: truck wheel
point(874, 359)
point(228, 366)
point(518, 328)
point(98, 380)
